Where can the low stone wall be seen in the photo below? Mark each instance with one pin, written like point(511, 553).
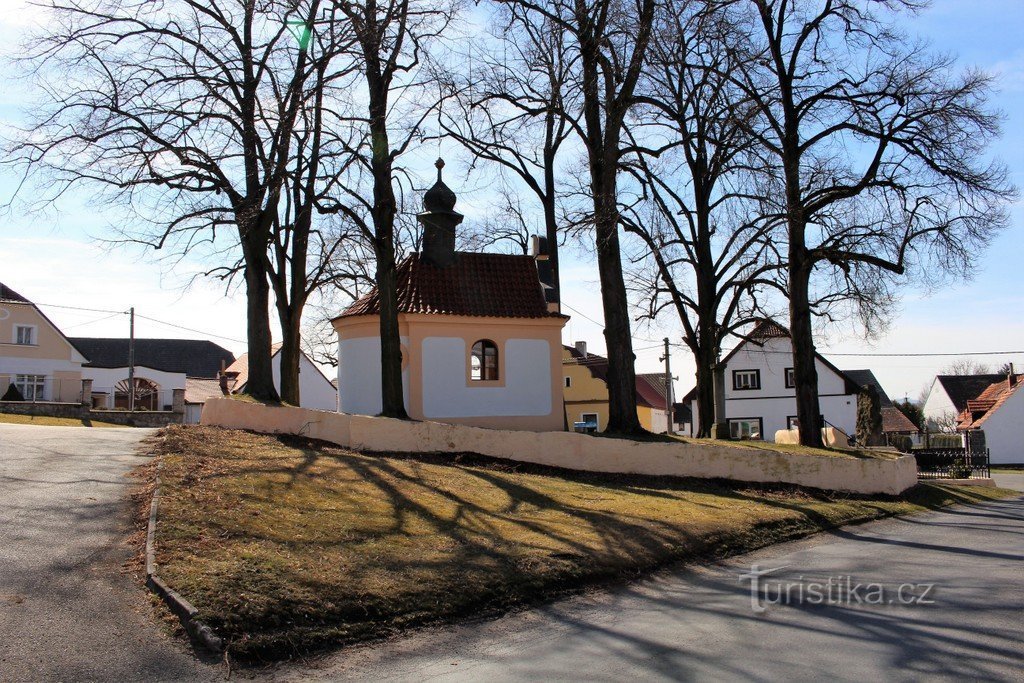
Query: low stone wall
point(78, 411)
point(571, 450)
point(45, 409)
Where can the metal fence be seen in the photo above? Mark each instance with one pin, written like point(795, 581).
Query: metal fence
point(952, 463)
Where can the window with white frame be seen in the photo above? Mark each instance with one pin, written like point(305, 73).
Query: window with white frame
point(25, 335)
point(590, 422)
point(743, 380)
point(790, 378)
point(745, 428)
point(31, 387)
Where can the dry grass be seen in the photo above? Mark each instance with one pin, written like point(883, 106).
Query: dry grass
point(286, 545)
point(7, 418)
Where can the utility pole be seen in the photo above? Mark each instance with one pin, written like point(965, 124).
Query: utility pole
point(131, 358)
point(668, 388)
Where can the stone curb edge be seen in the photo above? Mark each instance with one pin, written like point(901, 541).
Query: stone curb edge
point(181, 607)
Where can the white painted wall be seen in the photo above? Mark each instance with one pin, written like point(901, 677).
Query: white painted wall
point(315, 390)
point(359, 387)
point(1004, 431)
point(773, 402)
point(527, 380)
point(938, 407)
point(105, 379)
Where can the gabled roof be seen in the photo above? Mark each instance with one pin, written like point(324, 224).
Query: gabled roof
point(238, 372)
point(199, 390)
point(9, 295)
point(894, 420)
point(963, 388)
point(651, 390)
point(598, 365)
point(863, 378)
point(193, 357)
point(476, 284)
point(988, 402)
point(767, 329)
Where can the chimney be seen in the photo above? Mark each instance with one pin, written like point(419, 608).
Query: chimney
point(439, 220)
point(544, 272)
point(581, 348)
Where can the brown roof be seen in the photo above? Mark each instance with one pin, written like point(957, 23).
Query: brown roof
point(988, 402)
point(894, 421)
point(477, 284)
point(651, 390)
point(201, 390)
point(963, 388)
point(767, 329)
point(8, 294)
point(238, 372)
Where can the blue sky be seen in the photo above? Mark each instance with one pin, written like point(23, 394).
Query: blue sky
point(57, 257)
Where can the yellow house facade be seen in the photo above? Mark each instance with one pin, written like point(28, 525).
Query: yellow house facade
point(35, 356)
point(586, 393)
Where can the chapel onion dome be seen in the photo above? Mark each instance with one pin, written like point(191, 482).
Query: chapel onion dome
point(439, 197)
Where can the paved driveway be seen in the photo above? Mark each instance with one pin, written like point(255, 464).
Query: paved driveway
point(700, 624)
point(66, 610)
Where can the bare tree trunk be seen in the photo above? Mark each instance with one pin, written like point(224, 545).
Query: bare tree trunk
point(622, 415)
point(260, 384)
point(808, 409)
point(392, 391)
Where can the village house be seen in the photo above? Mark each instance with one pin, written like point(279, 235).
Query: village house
point(760, 396)
point(315, 390)
point(37, 362)
point(998, 411)
point(948, 396)
point(481, 342)
point(161, 366)
point(586, 393)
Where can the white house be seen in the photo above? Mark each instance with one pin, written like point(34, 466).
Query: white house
point(161, 366)
point(760, 398)
point(315, 390)
point(999, 412)
point(948, 397)
point(481, 342)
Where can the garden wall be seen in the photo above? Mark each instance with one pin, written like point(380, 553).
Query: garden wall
point(571, 450)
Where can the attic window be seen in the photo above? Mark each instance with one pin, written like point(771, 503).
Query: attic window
point(484, 361)
point(25, 335)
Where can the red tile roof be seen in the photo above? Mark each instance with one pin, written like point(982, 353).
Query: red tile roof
point(768, 329)
point(894, 421)
point(477, 284)
point(988, 402)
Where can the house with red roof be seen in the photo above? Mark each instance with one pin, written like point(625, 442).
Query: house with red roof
point(586, 393)
point(998, 411)
point(480, 334)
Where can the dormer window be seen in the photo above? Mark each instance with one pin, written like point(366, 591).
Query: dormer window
point(25, 335)
point(484, 361)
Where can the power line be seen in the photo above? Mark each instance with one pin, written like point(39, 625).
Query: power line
point(876, 354)
point(90, 322)
point(138, 315)
point(582, 315)
point(189, 329)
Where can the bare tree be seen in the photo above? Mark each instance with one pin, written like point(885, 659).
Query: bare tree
point(392, 38)
point(965, 366)
point(701, 222)
point(164, 107)
point(608, 40)
point(509, 110)
point(881, 147)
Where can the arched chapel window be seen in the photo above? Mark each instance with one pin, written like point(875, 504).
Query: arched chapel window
point(484, 361)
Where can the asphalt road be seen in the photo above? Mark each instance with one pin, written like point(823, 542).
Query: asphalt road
point(67, 610)
point(701, 623)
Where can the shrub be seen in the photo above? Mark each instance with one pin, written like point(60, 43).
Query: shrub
point(902, 443)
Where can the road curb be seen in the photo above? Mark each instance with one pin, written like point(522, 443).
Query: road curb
point(181, 607)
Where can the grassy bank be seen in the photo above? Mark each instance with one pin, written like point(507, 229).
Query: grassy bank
point(6, 418)
point(285, 546)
